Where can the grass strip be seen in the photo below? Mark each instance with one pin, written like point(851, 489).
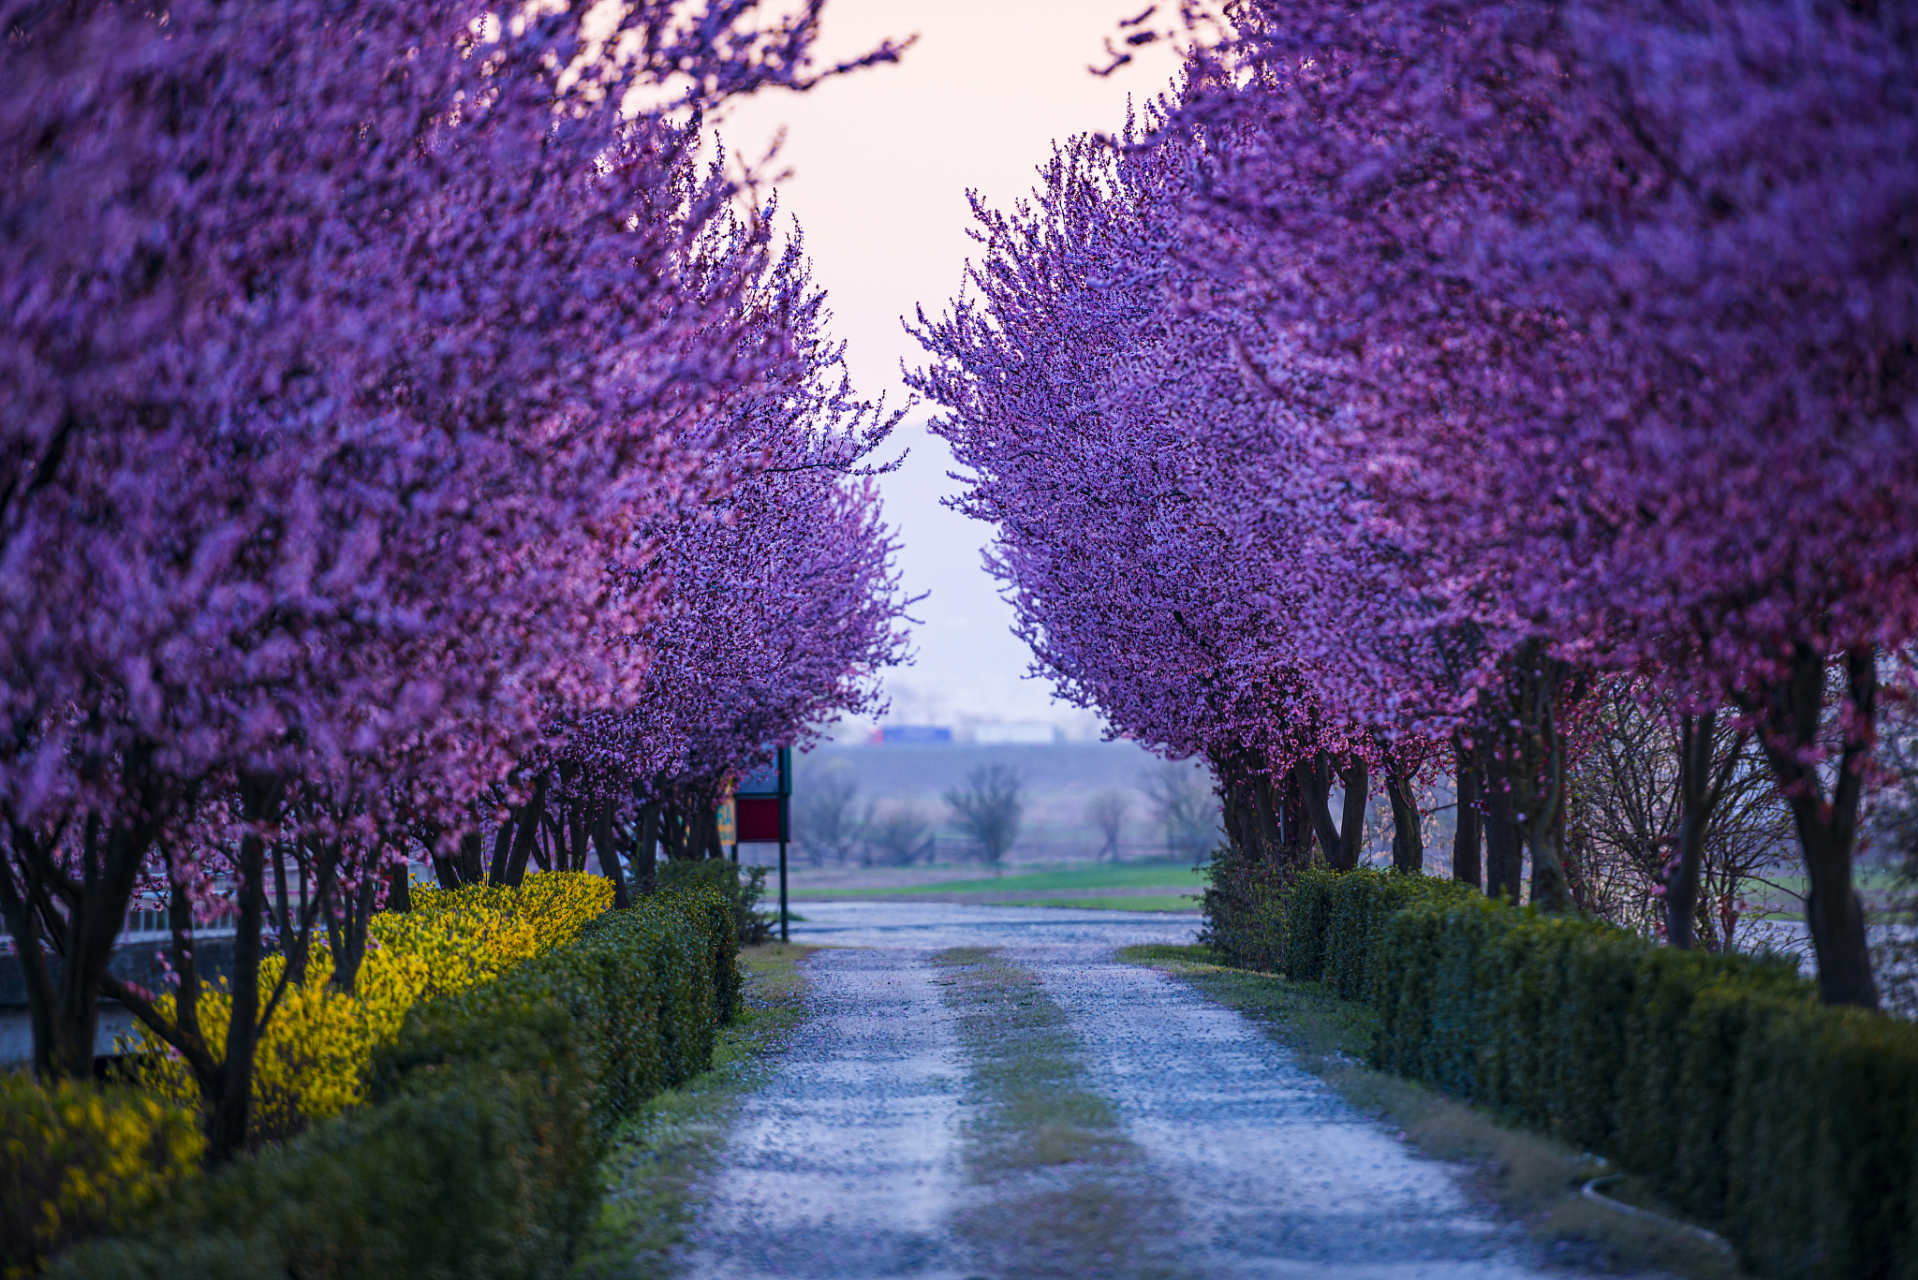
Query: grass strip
point(679, 1135)
point(1527, 1175)
point(1141, 876)
point(1061, 1191)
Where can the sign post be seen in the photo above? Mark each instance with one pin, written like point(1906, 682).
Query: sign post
point(763, 811)
point(728, 820)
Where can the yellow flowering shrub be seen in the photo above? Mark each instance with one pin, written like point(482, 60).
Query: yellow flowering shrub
point(77, 1160)
point(311, 1064)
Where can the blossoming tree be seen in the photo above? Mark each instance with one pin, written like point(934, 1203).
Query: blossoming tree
point(350, 348)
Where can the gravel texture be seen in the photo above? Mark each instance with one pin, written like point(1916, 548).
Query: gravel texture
point(846, 1165)
point(852, 1162)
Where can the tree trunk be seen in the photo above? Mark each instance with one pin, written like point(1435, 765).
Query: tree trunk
point(470, 865)
point(280, 909)
point(1535, 775)
point(293, 925)
point(1504, 854)
point(1232, 811)
point(549, 839)
point(1314, 783)
point(1408, 840)
point(226, 1080)
point(1466, 838)
point(1352, 827)
point(347, 923)
point(23, 899)
point(399, 887)
point(669, 829)
point(526, 834)
point(1341, 844)
point(1295, 829)
point(1265, 819)
point(230, 1106)
point(502, 848)
point(1254, 812)
point(645, 871)
point(1790, 713)
point(1551, 891)
point(577, 821)
point(608, 851)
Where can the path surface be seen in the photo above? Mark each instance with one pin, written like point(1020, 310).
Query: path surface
point(849, 1165)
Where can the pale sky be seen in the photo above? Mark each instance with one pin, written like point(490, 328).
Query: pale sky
point(880, 163)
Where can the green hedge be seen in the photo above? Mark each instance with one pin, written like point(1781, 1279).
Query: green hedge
point(743, 887)
point(1243, 905)
point(1331, 918)
point(479, 1156)
point(1719, 1078)
point(79, 1160)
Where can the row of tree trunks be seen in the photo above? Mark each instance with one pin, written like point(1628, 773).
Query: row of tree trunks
point(1488, 843)
point(1264, 817)
point(1278, 820)
point(518, 836)
point(1342, 843)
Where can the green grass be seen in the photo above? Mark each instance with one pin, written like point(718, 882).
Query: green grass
point(680, 1134)
point(1528, 1175)
point(1170, 902)
point(1137, 875)
point(1061, 1192)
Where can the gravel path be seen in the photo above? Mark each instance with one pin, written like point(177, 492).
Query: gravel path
point(845, 1166)
point(849, 1164)
point(1276, 1174)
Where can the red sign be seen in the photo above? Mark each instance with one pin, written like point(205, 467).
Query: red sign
point(758, 819)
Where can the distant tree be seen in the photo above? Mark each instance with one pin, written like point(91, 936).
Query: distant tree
point(898, 835)
point(1184, 808)
point(1625, 808)
point(988, 808)
point(1107, 813)
point(828, 821)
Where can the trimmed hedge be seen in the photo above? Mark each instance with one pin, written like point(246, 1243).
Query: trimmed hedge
point(1329, 920)
point(743, 887)
point(1719, 1078)
point(1244, 909)
point(492, 1108)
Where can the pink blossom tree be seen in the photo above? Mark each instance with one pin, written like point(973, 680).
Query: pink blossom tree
point(349, 352)
point(1614, 309)
point(778, 601)
point(1072, 373)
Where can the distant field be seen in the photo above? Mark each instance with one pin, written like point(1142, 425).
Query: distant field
point(1137, 875)
point(1121, 887)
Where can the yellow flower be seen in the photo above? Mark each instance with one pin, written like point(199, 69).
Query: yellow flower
point(80, 1159)
point(313, 1058)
